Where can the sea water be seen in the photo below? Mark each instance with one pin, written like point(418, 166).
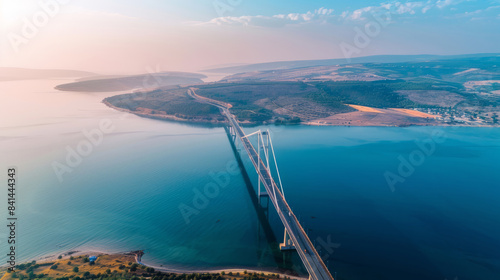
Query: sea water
point(378, 202)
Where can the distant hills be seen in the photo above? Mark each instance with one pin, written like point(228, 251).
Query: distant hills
point(92, 82)
point(120, 83)
point(279, 65)
point(10, 74)
point(456, 70)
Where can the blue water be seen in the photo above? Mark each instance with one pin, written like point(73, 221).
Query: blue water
point(441, 222)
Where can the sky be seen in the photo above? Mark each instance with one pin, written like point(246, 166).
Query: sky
point(132, 36)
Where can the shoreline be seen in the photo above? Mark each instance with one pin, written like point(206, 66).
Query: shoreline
point(217, 270)
point(308, 123)
point(160, 117)
point(138, 258)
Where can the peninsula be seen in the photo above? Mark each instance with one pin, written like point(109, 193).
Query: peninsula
point(433, 92)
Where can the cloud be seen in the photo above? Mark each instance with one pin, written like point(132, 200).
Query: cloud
point(481, 14)
point(397, 8)
point(409, 7)
point(427, 7)
point(326, 15)
point(359, 13)
point(443, 3)
point(319, 15)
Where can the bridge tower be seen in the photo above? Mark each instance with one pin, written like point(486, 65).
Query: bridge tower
point(233, 134)
point(287, 243)
point(262, 146)
point(265, 147)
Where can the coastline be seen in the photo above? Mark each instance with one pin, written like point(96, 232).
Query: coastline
point(138, 259)
point(309, 123)
point(158, 116)
point(219, 270)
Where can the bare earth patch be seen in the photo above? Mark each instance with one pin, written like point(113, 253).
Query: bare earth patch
point(366, 109)
point(415, 113)
point(466, 71)
point(367, 116)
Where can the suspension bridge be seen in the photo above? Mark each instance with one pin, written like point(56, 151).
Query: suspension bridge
point(295, 238)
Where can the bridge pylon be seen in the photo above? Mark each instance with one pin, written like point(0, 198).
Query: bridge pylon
point(265, 146)
point(287, 243)
point(262, 146)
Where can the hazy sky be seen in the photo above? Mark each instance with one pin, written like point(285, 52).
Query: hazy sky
point(126, 36)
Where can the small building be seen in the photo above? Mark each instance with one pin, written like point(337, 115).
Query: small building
point(92, 259)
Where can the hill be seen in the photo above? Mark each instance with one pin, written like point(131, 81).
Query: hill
point(279, 65)
point(121, 83)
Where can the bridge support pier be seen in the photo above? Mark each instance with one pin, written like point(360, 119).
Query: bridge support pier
point(287, 243)
point(232, 133)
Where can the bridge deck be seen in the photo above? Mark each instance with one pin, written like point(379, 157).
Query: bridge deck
point(312, 261)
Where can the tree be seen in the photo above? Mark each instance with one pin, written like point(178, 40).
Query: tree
point(54, 266)
point(75, 269)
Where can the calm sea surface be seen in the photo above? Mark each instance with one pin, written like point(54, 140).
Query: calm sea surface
point(169, 188)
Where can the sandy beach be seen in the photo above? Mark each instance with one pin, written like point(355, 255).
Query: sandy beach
point(132, 255)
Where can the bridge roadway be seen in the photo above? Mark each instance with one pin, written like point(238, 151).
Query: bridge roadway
point(312, 261)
